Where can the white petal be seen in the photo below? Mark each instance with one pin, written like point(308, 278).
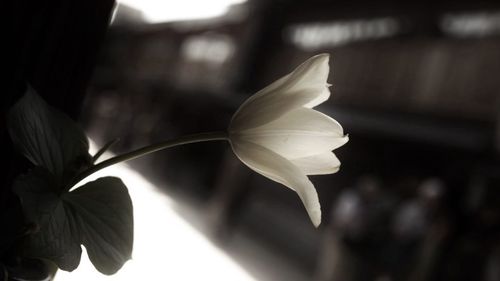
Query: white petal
point(305, 86)
point(276, 85)
point(299, 133)
point(321, 164)
point(279, 169)
point(262, 111)
point(313, 73)
point(325, 94)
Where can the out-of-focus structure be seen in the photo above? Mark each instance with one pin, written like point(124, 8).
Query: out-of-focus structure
point(416, 86)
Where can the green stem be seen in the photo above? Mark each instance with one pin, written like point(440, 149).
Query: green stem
point(103, 149)
point(202, 137)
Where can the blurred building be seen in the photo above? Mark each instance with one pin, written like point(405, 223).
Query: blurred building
point(416, 86)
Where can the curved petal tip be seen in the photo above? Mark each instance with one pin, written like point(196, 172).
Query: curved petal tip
point(324, 57)
point(316, 220)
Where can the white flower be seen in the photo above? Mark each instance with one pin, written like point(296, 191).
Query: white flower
point(277, 133)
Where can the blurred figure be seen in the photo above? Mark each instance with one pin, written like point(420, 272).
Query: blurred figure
point(359, 223)
point(375, 236)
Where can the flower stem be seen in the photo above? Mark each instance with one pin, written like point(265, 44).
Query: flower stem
point(201, 137)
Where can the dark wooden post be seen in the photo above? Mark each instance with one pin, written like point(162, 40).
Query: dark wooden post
point(52, 45)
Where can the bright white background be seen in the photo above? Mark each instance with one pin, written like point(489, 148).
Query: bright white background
point(156, 11)
point(166, 247)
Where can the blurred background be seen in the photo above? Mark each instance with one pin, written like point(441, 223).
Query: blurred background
point(416, 85)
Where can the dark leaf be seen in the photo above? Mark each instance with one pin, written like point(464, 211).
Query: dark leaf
point(57, 238)
point(47, 137)
point(104, 217)
point(97, 215)
point(31, 269)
